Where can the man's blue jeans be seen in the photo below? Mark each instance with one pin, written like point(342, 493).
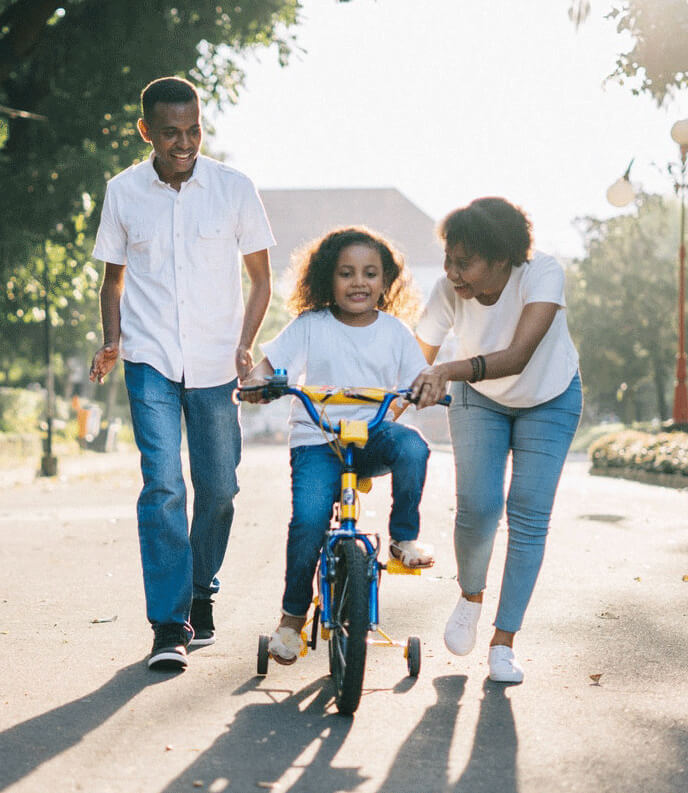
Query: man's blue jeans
point(483, 434)
point(177, 565)
point(316, 479)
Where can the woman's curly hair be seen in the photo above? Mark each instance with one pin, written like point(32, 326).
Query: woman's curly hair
point(491, 227)
point(313, 267)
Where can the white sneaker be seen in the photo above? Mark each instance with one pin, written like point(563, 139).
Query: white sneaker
point(504, 668)
point(461, 628)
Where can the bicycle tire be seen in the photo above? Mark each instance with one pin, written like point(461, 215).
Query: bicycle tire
point(347, 645)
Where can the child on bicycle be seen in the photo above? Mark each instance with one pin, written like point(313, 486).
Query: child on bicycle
point(350, 284)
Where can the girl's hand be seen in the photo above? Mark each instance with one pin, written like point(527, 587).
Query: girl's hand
point(430, 386)
point(255, 397)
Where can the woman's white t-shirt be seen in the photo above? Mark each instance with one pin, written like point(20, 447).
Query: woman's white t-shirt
point(318, 349)
point(483, 329)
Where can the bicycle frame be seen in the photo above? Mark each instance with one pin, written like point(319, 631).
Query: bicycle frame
point(277, 387)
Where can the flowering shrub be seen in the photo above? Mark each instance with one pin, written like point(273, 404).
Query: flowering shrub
point(665, 452)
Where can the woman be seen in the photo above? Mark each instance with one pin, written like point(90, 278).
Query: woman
point(515, 388)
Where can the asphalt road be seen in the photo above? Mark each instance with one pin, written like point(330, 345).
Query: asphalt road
point(79, 711)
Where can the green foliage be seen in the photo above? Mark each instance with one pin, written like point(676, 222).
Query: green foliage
point(657, 63)
point(665, 452)
point(20, 410)
point(82, 64)
point(622, 309)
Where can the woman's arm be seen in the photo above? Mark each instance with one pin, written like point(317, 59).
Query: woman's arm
point(535, 321)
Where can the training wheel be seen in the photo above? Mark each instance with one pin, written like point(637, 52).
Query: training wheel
point(263, 657)
point(413, 655)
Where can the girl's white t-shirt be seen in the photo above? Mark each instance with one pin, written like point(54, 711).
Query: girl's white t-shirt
point(483, 329)
point(318, 349)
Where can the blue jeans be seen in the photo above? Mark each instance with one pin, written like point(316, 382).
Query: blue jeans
point(178, 565)
point(483, 434)
point(315, 481)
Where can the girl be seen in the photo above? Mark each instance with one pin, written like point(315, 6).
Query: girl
point(342, 336)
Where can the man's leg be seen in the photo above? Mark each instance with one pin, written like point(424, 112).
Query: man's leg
point(214, 438)
point(155, 404)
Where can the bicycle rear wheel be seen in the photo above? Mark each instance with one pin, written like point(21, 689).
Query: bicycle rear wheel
point(347, 646)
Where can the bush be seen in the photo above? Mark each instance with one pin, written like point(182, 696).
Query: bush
point(664, 452)
point(20, 410)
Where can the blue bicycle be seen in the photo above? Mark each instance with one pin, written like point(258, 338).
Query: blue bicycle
point(349, 571)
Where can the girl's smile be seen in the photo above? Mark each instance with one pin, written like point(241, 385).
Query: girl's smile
point(357, 285)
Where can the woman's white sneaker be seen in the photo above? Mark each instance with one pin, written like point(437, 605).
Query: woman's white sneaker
point(504, 668)
point(462, 626)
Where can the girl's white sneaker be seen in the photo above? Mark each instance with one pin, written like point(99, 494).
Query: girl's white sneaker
point(504, 668)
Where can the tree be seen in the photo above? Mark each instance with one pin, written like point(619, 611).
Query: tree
point(622, 307)
point(81, 64)
point(657, 63)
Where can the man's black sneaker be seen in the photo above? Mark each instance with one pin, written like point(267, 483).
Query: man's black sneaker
point(201, 620)
point(169, 648)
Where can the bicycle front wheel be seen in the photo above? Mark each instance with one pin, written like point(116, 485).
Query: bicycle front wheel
point(349, 633)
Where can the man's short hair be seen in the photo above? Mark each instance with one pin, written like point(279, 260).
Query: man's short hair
point(167, 89)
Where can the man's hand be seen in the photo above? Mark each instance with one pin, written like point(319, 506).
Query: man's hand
point(103, 362)
point(244, 361)
point(430, 386)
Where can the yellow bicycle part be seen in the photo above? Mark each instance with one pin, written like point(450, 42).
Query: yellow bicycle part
point(395, 567)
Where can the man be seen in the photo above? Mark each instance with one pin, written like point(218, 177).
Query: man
point(170, 235)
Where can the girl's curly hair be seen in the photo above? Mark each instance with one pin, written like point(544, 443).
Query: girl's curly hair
point(491, 227)
point(313, 266)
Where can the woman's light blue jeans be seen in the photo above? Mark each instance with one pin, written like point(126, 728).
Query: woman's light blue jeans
point(483, 434)
point(316, 480)
point(178, 566)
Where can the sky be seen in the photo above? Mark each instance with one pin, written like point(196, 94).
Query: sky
point(450, 100)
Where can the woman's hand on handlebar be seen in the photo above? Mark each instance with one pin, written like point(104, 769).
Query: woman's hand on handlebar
point(430, 386)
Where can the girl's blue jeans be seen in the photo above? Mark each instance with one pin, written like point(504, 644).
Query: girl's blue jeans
point(316, 480)
point(483, 434)
point(178, 565)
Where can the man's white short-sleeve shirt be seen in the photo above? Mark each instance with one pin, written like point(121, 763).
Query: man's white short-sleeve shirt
point(483, 329)
point(182, 309)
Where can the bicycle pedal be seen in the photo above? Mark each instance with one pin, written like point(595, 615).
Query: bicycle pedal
point(395, 567)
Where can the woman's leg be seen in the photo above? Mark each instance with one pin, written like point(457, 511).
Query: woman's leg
point(481, 436)
point(315, 478)
point(541, 439)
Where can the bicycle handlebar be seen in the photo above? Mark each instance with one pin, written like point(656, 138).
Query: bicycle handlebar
point(277, 386)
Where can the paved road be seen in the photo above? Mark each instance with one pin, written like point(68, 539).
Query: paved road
point(80, 712)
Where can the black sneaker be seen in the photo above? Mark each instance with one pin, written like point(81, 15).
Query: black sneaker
point(169, 648)
point(202, 622)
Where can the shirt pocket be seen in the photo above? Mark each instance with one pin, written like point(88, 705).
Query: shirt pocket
point(216, 238)
point(143, 248)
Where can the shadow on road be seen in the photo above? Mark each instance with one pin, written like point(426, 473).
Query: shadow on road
point(423, 760)
point(26, 746)
point(292, 738)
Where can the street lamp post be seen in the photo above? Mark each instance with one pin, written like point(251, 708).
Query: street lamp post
point(679, 132)
point(620, 194)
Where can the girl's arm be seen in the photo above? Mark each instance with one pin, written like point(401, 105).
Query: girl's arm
point(257, 377)
point(535, 321)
